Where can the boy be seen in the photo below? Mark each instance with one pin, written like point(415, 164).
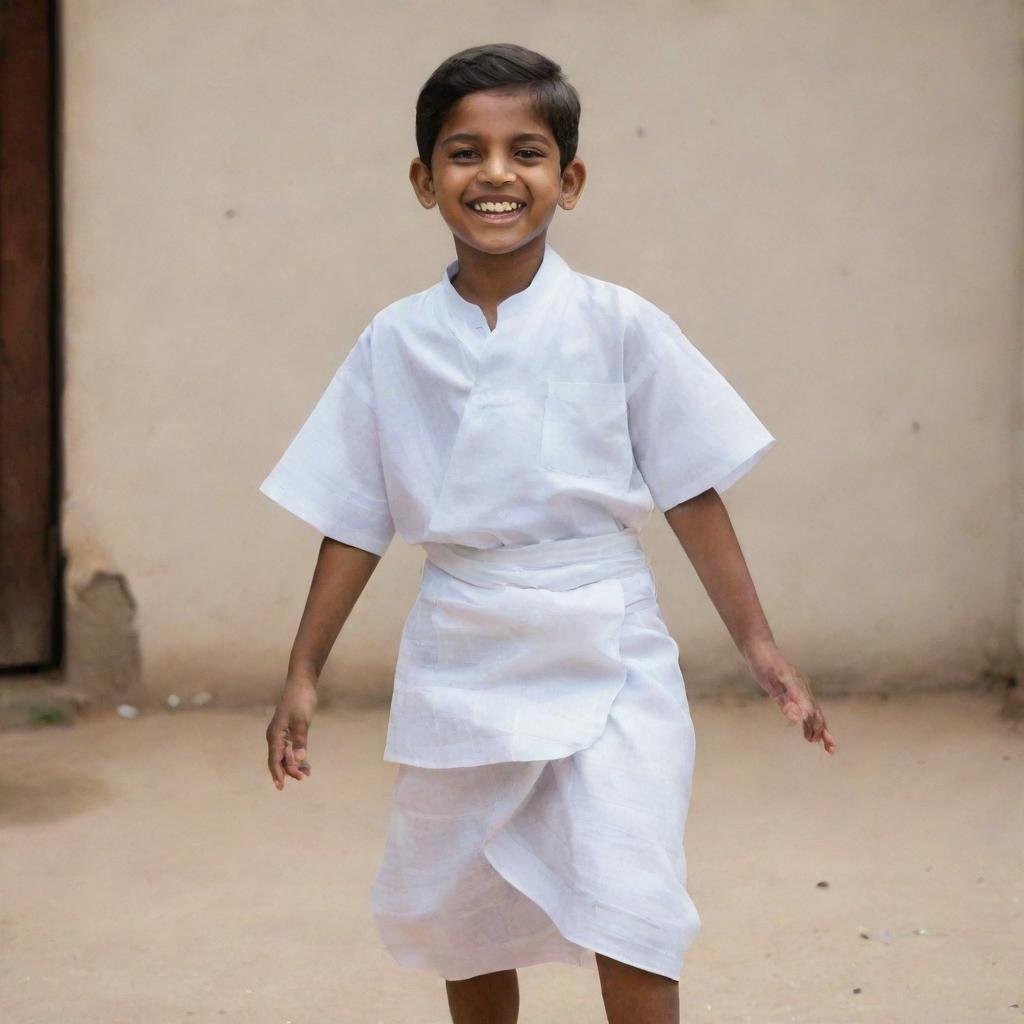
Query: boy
point(518, 420)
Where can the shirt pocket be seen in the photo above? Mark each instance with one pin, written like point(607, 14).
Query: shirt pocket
point(585, 431)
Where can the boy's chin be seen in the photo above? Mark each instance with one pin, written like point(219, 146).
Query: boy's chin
point(496, 241)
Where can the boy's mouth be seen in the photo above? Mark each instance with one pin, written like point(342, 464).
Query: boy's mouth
point(501, 215)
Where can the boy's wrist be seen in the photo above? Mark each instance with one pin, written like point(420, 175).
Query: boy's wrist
point(301, 679)
point(759, 649)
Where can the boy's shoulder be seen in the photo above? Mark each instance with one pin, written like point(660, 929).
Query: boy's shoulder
point(637, 310)
point(401, 310)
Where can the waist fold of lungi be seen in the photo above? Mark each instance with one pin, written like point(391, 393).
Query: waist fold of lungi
point(512, 653)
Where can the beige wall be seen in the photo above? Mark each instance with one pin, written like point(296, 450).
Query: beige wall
point(826, 196)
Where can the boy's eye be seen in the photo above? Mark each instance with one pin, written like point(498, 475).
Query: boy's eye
point(531, 152)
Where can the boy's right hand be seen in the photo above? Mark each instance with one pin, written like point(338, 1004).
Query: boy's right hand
point(287, 734)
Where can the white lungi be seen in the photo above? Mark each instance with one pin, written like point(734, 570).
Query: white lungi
point(546, 752)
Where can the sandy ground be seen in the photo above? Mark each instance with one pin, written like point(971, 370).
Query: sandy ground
point(150, 872)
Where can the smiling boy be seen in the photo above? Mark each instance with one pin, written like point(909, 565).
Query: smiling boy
point(519, 420)
point(497, 148)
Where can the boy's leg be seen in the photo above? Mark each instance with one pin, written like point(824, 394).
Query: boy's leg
point(635, 996)
point(485, 999)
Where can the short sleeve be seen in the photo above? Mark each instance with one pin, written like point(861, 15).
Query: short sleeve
point(689, 428)
point(331, 474)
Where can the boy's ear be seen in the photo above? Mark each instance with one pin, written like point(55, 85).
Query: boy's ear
point(422, 182)
point(573, 179)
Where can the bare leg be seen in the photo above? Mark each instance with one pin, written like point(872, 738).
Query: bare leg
point(635, 996)
point(485, 999)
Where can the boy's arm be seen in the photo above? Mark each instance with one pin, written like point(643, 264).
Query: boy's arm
point(340, 574)
point(339, 577)
point(704, 529)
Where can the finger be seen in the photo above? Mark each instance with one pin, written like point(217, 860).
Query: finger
point(819, 725)
point(275, 746)
point(809, 725)
point(805, 711)
point(828, 742)
point(299, 730)
point(814, 726)
point(290, 764)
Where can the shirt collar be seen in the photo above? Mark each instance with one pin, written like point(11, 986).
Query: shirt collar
point(551, 277)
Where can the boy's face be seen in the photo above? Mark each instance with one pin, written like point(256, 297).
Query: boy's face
point(494, 146)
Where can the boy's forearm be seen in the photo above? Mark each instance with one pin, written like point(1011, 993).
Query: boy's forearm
point(341, 573)
point(704, 530)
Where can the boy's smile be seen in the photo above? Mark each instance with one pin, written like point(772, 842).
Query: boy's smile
point(495, 174)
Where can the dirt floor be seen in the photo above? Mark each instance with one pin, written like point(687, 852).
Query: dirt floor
point(150, 872)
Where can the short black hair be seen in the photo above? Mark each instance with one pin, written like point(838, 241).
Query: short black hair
point(507, 67)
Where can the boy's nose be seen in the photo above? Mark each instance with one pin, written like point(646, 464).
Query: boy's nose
point(495, 170)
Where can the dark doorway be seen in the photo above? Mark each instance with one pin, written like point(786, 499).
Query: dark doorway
point(30, 562)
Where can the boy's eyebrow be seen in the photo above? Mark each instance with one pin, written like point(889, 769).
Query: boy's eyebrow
point(471, 137)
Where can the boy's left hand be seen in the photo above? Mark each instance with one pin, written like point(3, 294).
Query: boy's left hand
point(792, 693)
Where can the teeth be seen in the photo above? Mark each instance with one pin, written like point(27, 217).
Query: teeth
point(497, 207)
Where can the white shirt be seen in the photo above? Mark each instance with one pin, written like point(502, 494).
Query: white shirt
point(583, 409)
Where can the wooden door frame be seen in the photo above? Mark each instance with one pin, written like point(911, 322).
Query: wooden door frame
point(31, 561)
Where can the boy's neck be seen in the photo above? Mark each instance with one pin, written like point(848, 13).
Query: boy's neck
point(486, 279)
